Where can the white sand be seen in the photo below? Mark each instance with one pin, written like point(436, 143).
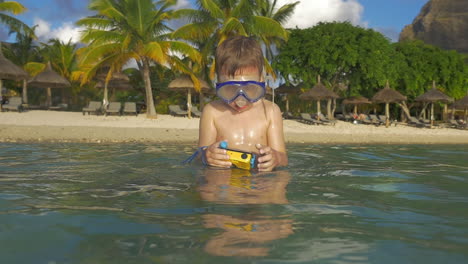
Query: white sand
point(74, 127)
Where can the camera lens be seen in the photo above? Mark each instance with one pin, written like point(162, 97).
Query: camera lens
point(244, 156)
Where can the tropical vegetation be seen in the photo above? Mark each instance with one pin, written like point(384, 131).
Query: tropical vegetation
point(136, 37)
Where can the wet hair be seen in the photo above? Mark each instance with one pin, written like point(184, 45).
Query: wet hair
point(238, 53)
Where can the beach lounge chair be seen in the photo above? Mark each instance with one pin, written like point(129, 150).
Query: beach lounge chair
point(176, 110)
point(93, 107)
point(413, 121)
point(307, 118)
point(383, 119)
point(130, 108)
point(288, 115)
point(14, 103)
point(114, 108)
point(376, 120)
point(325, 119)
point(452, 123)
point(365, 119)
point(196, 112)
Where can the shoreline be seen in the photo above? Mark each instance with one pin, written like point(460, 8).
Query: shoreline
point(55, 126)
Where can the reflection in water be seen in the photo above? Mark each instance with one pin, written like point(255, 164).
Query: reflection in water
point(246, 234)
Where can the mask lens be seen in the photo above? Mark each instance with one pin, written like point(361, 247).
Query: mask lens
point(228, 92)
point(253, 91)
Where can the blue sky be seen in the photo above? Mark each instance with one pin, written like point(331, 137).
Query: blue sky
point(56, 17)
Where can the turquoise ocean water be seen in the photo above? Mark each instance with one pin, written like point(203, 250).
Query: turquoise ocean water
point(136, 203)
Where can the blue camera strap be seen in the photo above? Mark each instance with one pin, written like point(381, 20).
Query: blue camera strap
point(200, 150)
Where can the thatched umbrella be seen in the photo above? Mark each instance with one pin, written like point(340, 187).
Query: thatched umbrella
point(387, 96)
point(11, 71)
point(185, 83)
point(319, 92)
point(114, 85)
point(287, 90)
point(433, 96)
point(356, 100)
point(116, 79)
point(49, 79)
point(462, 104)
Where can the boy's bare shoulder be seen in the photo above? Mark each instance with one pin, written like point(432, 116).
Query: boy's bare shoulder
point(271, 107)
point(213, 107)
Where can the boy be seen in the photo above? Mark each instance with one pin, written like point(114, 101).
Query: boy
point(242, 117)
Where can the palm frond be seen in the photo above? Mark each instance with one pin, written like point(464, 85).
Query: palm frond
point(12, 7)
point(285, 12)
point(211, 7)
point(95, 22)
point(233, 27)
point(195, 31)
point(156, 52)
point(268, 27)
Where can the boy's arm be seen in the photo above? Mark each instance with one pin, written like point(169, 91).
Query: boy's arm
point(207, 135)
point(207, 131)
point(276, 146)
point(276, 136)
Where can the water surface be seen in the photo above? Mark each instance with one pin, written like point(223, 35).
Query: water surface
point(136, 203)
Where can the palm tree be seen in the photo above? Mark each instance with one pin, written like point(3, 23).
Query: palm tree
point(21, 52)
point(125, 30)
point(281, 15)
point(216, 20)
point(14, 24)
point(62, 57)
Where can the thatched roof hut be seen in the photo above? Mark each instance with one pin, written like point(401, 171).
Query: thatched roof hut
point(434, 95)
point(184, 82)
point(288, 89)
point(462, 103)
point(388, 95)
point(318, 92)
point(9, 70)
point(49, 79)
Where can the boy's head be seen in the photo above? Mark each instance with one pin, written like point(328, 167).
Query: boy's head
point(239, 68)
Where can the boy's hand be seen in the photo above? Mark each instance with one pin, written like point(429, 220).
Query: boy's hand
point(268, 159)
point(216, 156)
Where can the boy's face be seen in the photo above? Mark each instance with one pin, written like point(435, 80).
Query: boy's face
point(241, 104)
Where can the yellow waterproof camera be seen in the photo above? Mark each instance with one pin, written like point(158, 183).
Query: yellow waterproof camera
point(240, 159)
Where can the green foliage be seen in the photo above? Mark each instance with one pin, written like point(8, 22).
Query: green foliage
point(340, 53)
point(423, 63)
point(216, 20)
point(12, 23)
point(364, 60)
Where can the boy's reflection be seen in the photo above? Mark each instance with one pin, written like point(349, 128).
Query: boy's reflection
point(245, 235)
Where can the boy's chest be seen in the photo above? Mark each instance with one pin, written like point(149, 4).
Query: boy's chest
point(245, 127)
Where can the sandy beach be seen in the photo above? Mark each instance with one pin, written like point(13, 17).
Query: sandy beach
point(58, 126)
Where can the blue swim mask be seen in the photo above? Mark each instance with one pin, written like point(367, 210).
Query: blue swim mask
point(250, 90)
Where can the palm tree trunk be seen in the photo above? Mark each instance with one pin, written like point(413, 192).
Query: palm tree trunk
point(1, 95)
point(387, 114)
point(432, 114)
point(329, 114)
point(49, 97)
point(333, 108)
point(25, 92)
point(189, 103)
point(318, 109)
point(150, 110)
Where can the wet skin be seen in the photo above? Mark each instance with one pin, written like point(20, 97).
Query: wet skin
point(254, 127)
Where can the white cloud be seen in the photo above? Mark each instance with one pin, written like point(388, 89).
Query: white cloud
point(309, 12)
point(183, 4)
point(64, 32)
